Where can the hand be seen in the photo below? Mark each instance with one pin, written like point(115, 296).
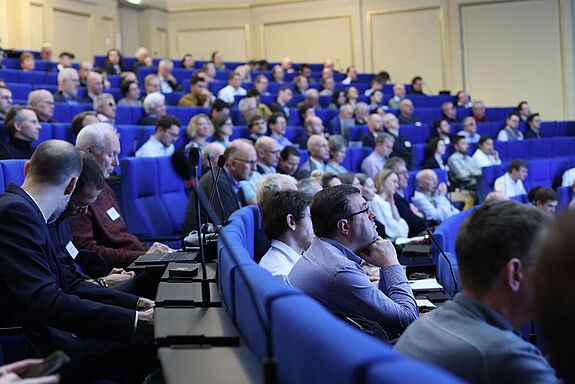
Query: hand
point(160, 248)
point(146, 320)
point(380, 253)
point(495, 154)
point(148, 61)
point(117, 275)
point(442, 189)
point(415, 210)
point(372, 276)
point(9, 373)
point(144, 304)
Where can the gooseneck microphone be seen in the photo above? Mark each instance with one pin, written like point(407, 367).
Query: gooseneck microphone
point(455, 287)
point(221, 163)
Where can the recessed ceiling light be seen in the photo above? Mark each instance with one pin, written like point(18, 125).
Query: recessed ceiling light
point(137, 2)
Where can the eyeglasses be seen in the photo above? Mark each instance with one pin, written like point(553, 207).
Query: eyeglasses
point(365, 210)
point(250, 162)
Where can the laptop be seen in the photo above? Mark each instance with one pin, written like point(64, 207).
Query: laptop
point(166, 258)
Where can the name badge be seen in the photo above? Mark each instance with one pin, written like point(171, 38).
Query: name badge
point(113, 214)
point(72, 250)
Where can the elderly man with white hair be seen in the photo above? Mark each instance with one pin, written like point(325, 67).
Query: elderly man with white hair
point(155, 107)
point(431, 199)
point(101, 228)
point(68, 83)
point(105, 107)
point(318, 148)
point(268, 155)
point(42, 102)
point(143, 59)
point(168, 82)
point(398, 95)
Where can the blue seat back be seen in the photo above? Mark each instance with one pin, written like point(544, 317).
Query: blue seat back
point(444, 272)
point(172, 192)
point(13, 171)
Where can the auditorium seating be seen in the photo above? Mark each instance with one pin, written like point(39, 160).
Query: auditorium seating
point(281, 323)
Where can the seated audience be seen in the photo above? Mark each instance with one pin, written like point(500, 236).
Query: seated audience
point(350, 75)
point(268, 156)
point(301, 85)
point(329, 179)
point(248, 108)
point(449, 112)
point(313, 126)
point(94, 87)
point(85, 68)
point(511, 130)
point(261, 84)
point(474, 336)
point(361, 113)
point(287, 65)
point(210, 155)
point(42, 102)
point(161, 143)
point(435, 151)
point(511, 183)
point(328, 85)
point(83, 119)
point(168, 82)
point(5, 101)
point(553, 279)
point(547, 200)
point(27, 62)
point(305, 71)
point(241, 162)
point(383, 205)
point(65, 60)
point(406, 115)
point(568, 178)
point(463, 171)
point(311, 98)
point(337, 150)
point(382, 149)
point(486, 155)
point(101, 228)
point(261, 108)
point(188, 61)
point(223, 129)
point(277, 125)
point(401, 146)
point(218, 60)
point(143, 59)
point(469, 130)
point(398, 95)
point(105, 108)
point(22, 128)
point(305, 111)
point(309, 186)
point(209, 71)
point(151, 84)
point(523, 110)
point(318, 149)
point(478, 108)
point(289, 161)
point(287, 223)
point(376, 85)
point(376, 101)
point(462, 100)
point(154, 107)
point(46, 52)
point(416, 86)
point(442, 128)
point(131, 91)
point(199, 95)
point(200, 128)
point(68, 83)
point(340, 124)
point(431, 199)
point(56, 308)
point(329, 271)
point(533, 125)
point(337, 99)
point(351, 95)
point(278, 74)
point(114, 62)
point(285, 94)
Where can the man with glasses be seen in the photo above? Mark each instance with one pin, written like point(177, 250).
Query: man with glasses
point(94, 86)
point(5, 101)
point(268, 156)
point(330, 271)
point(241, 160)
point(105, 107)
point(42, 102)
point(161, 143)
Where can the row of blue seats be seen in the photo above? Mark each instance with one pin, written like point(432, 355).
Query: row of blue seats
point(40, 77)
point(280, 323)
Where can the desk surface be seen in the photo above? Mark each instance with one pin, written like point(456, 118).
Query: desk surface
point(234, 365)
point(207, 322)
point(185, 293)
point(211, 269)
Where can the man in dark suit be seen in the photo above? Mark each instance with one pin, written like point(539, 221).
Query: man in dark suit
point(94, 326)
point(22, 128)
point(285, 95)
point(241, 159)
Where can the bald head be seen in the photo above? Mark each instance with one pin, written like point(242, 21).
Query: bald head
point(241, 159)
point(406, 107)
point(427, 180)
point(318, 147)
point(42, 102)
point(54, 163)
point(268, 151)
point(399, 90)
point(214, 151)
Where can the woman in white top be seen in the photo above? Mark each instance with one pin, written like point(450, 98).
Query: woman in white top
point(485, 155)
point(387, 183)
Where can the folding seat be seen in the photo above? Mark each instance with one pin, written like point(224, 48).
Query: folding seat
point(418, 155)
point(489, 174)
point(235, 114)
point(172, 192)
point(33, 77)
point(133, 137)
point(297, 99)
point(407, 371)
point(299, 324)
point(427, 115)
point(240, 132)
point(223, 75)
point(2, 184)
point(288, 77)
point(255, 290)
point(338, 77)
point(174, 97)
point(11, 63)
point(565, 146)
point(99, 60)
point(63, 131)
point(388, 89)
point(569, 129)
point(274, 87)
point(143, 72)
point(293, 132)
point(444, 276)
point(171, 110)
point(13, 171)
point(20, 91)
point(44, 134)
point(361, 88)
point(117, 93)
point(364, 78)
point(181, 74)
point(538, 174)
point(515, 149)
point(303, 156)
point(215, 86)
point(186, 84)
point(136, 114)
point(294, 117)
point(416, 134)
point(324, 101)
point(123, 114)
point(354, 157)
point(550, 129)
point(52, 79)
point(565, 196)
point(114, 80)
point(9, 75)
point(540, 148)
point(356, 132)
point(266, 99)
point(446, 233)
point(520, 198)
point(146, 215)
point(184, 114)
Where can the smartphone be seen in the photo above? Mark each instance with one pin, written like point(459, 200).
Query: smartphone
point(49, 366)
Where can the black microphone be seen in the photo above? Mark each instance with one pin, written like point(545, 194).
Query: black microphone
point(194, 157)
point(181, 164)
point(221, 163)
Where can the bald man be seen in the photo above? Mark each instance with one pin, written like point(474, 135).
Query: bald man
point(318, 154)
point(406, 115)
point(268, 154)
point(313, 126)
point(42, 102)
point(241, 160)
point(431, 199)
point(398, 95)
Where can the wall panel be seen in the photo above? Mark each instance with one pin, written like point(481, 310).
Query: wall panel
point(409, 42)
point(37, 17)
point(232, 41)
point(512, 52)
point(72, 32)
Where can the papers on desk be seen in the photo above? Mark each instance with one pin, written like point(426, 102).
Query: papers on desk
point(424, 303)
point(425, 285)
point(405, 240)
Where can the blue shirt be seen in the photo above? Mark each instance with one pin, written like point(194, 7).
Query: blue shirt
point(372, 164)
point(330, 273)
point(473, 341)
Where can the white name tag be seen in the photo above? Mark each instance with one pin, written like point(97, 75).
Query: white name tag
point(72, 249)
point(113, 213)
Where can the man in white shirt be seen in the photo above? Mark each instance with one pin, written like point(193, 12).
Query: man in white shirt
point(469, 130)
point(234, 88)
point(161, 143)
point(486, 155)
point(511, 131)
point(568, 178)
point(512, 182)
point(431, 199)
point(286, 220)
